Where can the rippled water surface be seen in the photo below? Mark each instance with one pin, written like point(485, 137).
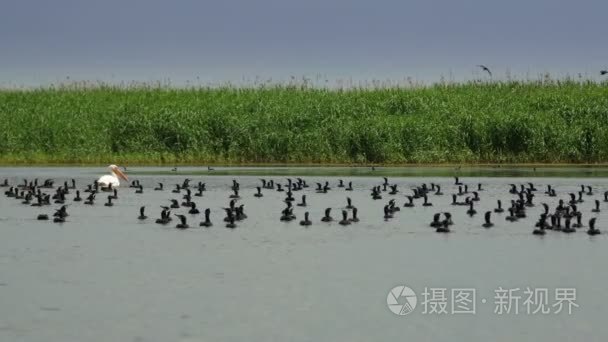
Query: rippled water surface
point(106, 276)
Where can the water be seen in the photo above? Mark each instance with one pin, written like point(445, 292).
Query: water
point(105, 276)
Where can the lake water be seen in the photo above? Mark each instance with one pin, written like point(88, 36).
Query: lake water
point(106, 276)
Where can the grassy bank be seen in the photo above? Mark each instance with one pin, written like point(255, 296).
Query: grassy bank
point(515, 122)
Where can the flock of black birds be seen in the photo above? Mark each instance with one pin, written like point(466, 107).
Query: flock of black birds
point(565, 217)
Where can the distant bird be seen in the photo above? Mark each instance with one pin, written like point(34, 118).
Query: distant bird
point(487, 223)
point(231, 223)
point(306, 221)
point(109, 202)
point(207, 222)
point(345, 221)
point(604, 72)
point(355, 218)
point(303, 202)
point(159, 187)
point(142, 215)
point(193, 209)
point(443, 227)
point(485, 68)
point(183, 224)
point(597, 207)
point(499, 209)
point(592, 230)
point(327, 217)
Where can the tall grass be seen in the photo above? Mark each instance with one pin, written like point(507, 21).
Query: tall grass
point(548, 122)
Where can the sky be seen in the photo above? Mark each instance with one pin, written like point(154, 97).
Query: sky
point(214, 42)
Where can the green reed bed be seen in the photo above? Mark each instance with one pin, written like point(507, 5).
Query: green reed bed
point(516, 122)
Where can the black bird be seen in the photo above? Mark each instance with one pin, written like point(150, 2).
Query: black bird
point(511, 216)
point(438, 192)
point(183, 224)
point(443, 228)
point(289, 197)
point(354, 218)
point(592, 230)
point(448, 218)
point(499, 209)
point(303, 202)
point(77, 198)
point(140, 189)
point(259, 193)
point(305, 221)
point(109, 202)
point(540, 230)
point(115, 195)
point(235, 194)
point(426, 202)
point(42, 217)
point(345, 221)
point(387, 213)
point(457, 181)
point(485, 68)
point(207, 222)
point(436, 220)
point(349, 187)
point(475, 196)
point(174, 204)
point(579, 220)
point(165, 216)
point(287, 213)
point(142, 215)
point(488, 223)
point(597, 207)
point(61, 213)
point(327, 217)
point(240, 213)
point(340, 183)
point(568, 228)
point(159, 187)
point(603, 72)
point(471, 210)
point(91, 199)
point(410, 202)
point(230, 223)
point(349, 204)
point(193, 209)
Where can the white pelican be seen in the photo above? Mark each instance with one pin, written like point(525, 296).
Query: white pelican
point(112, 179)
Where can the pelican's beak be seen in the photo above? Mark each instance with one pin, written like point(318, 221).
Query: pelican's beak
point(120, 174)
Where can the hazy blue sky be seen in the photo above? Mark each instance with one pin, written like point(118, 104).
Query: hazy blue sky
point(44, 41)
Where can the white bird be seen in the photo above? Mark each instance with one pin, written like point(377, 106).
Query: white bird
point(112, 179)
